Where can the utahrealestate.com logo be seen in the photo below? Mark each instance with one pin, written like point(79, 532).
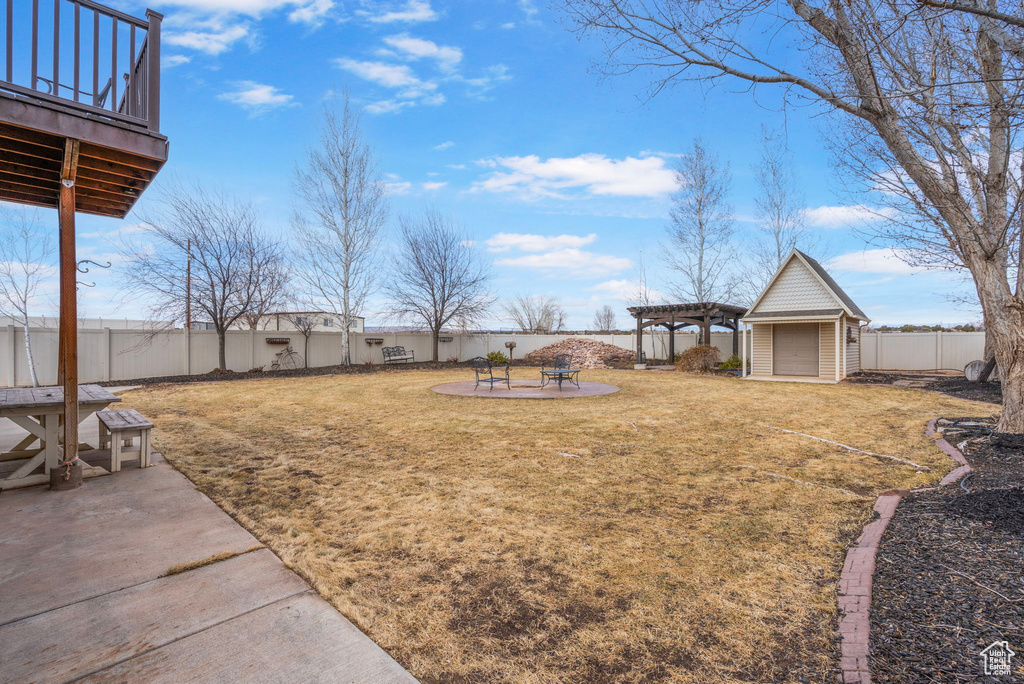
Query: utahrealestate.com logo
point(997, 659)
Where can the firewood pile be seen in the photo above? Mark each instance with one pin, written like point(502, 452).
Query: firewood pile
point(585, 353)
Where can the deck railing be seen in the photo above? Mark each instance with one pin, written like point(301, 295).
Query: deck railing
point(104, 62)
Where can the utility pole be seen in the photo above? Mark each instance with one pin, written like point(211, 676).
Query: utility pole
point(188, 286)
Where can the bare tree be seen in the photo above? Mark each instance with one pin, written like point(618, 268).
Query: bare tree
point(438, 277)
point(641, 293)
point(931, 91)
point(539, 314)
point(24, 250)
point(778, 209)
point(699, 249)
point(305, 324)
point(338, 226)
point(604, 319)
point(230, 257)
point(272, 289)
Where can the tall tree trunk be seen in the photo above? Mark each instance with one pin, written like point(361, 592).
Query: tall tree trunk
point(28, 354)
point(346, 343)
point(434, 335)
point(222, 350)
point(1008, 344)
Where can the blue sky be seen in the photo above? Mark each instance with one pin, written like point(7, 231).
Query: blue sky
point(489, 111)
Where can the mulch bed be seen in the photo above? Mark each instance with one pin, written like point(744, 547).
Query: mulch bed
point(355, 369)
point(949, 576)
point(955, 385)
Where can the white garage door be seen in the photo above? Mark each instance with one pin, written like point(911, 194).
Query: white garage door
point(795, 349)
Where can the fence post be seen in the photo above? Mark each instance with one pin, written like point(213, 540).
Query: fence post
point(11, 377)
point(938, 349)
point(252, 348)
point(106, 354)
point(878, 350)
point(186, 334)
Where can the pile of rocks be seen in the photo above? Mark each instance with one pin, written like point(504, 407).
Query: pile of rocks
point(585, 353)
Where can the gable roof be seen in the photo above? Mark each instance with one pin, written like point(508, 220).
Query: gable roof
point(823, 277)
point(831, 284)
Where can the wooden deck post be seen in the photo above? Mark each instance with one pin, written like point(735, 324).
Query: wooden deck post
point(69, 301)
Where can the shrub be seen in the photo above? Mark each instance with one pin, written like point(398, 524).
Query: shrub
point(453, 359)
point(497, 358)
point(703, 358)
point(733, 363)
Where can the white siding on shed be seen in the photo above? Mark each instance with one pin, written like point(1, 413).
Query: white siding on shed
point(827, 351)
point(797, 289)
point(761, 353)
point(853, 348)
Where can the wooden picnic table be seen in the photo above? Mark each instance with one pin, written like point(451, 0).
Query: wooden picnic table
point(40, 412)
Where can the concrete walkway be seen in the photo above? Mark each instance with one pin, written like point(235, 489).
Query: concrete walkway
point(83, 596)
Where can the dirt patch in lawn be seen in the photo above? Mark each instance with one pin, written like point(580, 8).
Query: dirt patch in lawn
point(946, 382)
point(612, 539)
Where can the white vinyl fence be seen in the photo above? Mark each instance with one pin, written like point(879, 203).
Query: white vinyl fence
point(110, 354)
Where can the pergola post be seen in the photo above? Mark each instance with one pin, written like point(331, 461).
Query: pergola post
point(672, 340)
point(639, 339)
point(735, 335)
point(69, 312)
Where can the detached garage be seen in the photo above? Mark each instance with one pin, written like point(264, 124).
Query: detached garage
point(804, 327)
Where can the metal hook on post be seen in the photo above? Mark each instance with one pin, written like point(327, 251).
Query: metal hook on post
point(82, 269)
point(79, 282)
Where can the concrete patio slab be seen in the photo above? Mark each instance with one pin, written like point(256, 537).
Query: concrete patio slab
point(83, 596)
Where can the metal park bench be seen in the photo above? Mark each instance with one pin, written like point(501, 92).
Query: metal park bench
point(562, 370)
point(118, 429)
point(484, 370)
point(397, 354)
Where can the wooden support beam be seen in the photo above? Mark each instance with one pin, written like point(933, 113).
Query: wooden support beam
point(672, 341)
point(69, 301)
point(639, 340)
point(735, 336)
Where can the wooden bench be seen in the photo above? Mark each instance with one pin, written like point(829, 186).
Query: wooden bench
point(397, 354)
point(118, 430)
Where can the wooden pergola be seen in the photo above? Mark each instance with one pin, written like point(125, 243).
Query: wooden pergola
point(674, 317)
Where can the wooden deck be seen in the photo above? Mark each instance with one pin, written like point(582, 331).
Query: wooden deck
point(100, 90)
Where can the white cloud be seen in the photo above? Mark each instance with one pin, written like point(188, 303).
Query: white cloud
point(411, 48)
point(213, 40)
point(525, 242)
point(435, 185)
point(844, 216)
point(480, 85)
point(570, 261)
point(445, 145)
point(257, 96)
point(884, 260)
point(387, 75)
point(412, 11)
point(457, 167)
point(173, 61)
point(398, 187)
point(595, 174)
point(627, 290)
point(509, 25)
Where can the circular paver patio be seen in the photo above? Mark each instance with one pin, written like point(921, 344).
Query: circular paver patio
point(526, 389)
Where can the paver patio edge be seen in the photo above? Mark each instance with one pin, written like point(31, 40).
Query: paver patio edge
point(859, 569)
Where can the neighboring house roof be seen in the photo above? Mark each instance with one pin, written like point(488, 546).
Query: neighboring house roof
point(818, 274)
point(304, 313)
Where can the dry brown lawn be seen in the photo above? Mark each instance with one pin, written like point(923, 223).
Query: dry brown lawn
point(598, 539)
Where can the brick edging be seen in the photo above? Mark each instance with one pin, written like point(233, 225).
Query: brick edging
point(859, 569)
